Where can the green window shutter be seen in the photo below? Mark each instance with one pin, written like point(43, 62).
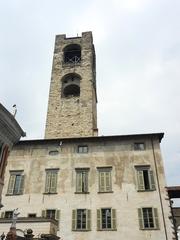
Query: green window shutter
point(88, 217)
point(11, 184)
point(78, 181)
point(48, 182)
point(108, 181)
point(57, 215)
point(141, 221)
point(53, 186)
point(2, 214)
point(73, 219)
point(21, 185)
point(140, 180)
point(85, 181)
point(102, 181)
point(155, 215)
point(43, 213)
point(98, 219)
point(152, 181)
point(113, 212)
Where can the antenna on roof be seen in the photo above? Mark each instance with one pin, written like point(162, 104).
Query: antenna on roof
point(14, 110)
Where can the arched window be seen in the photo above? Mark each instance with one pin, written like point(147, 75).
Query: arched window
point(72, 54)
point(71, 85)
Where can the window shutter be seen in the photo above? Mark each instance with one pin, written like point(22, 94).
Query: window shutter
point(113, 212)
point(53, 182)
point(85, 180)
point(152, 181)
point(57, 215)
point(155, 215)
point(140, 180)
point(2, 214)
point(108, 181)
point(73, 219)
point(78, 181)
point(21, 185)
point(102, 181)
point(98, 219)
point(140, 216)
point(11, 184)
point(43, 213)
point(48, 182)
point(88, 215)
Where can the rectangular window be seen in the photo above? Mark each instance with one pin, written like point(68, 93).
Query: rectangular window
point(32, 215)
point(8, 214)
point(16, 183)
point(148, 218)
point(106, 219)
point(105, 183)
point(82, 149)
point(145, 178)
point(51, 214)
point(82, 180)
point(140, 146)
point(51, 181)
point(81, 219)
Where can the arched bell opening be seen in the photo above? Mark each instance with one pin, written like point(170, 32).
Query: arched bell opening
point(71, 86)
point(72, 54)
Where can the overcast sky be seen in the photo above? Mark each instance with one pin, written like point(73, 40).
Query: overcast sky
point(138, 64)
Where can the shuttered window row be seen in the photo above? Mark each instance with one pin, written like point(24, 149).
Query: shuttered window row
point(106, 218)
point(145, 180)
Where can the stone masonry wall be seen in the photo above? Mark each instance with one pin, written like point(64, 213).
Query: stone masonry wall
point(74, 116)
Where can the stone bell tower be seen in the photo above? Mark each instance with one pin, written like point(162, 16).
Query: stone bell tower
point(72, 97)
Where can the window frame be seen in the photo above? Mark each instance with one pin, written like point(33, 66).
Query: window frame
point(145, 176)
point(105, 179)
point(15, 187)
point(84, 149)
point(51, 178)
point(10, 214)
point(154, 218)
point(82, 180)
point(112, 219)
point(75, 220)
point(57, 213)
point(138, 146)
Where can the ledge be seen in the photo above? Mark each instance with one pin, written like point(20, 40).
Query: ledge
point(81, 192)
point(50, 193)
point(106, 192)
point(26, 219)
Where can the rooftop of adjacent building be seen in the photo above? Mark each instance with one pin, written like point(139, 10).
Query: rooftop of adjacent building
point(10, 129)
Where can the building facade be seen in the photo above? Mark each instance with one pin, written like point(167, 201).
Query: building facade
point(92, 187)
point(10, 133)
